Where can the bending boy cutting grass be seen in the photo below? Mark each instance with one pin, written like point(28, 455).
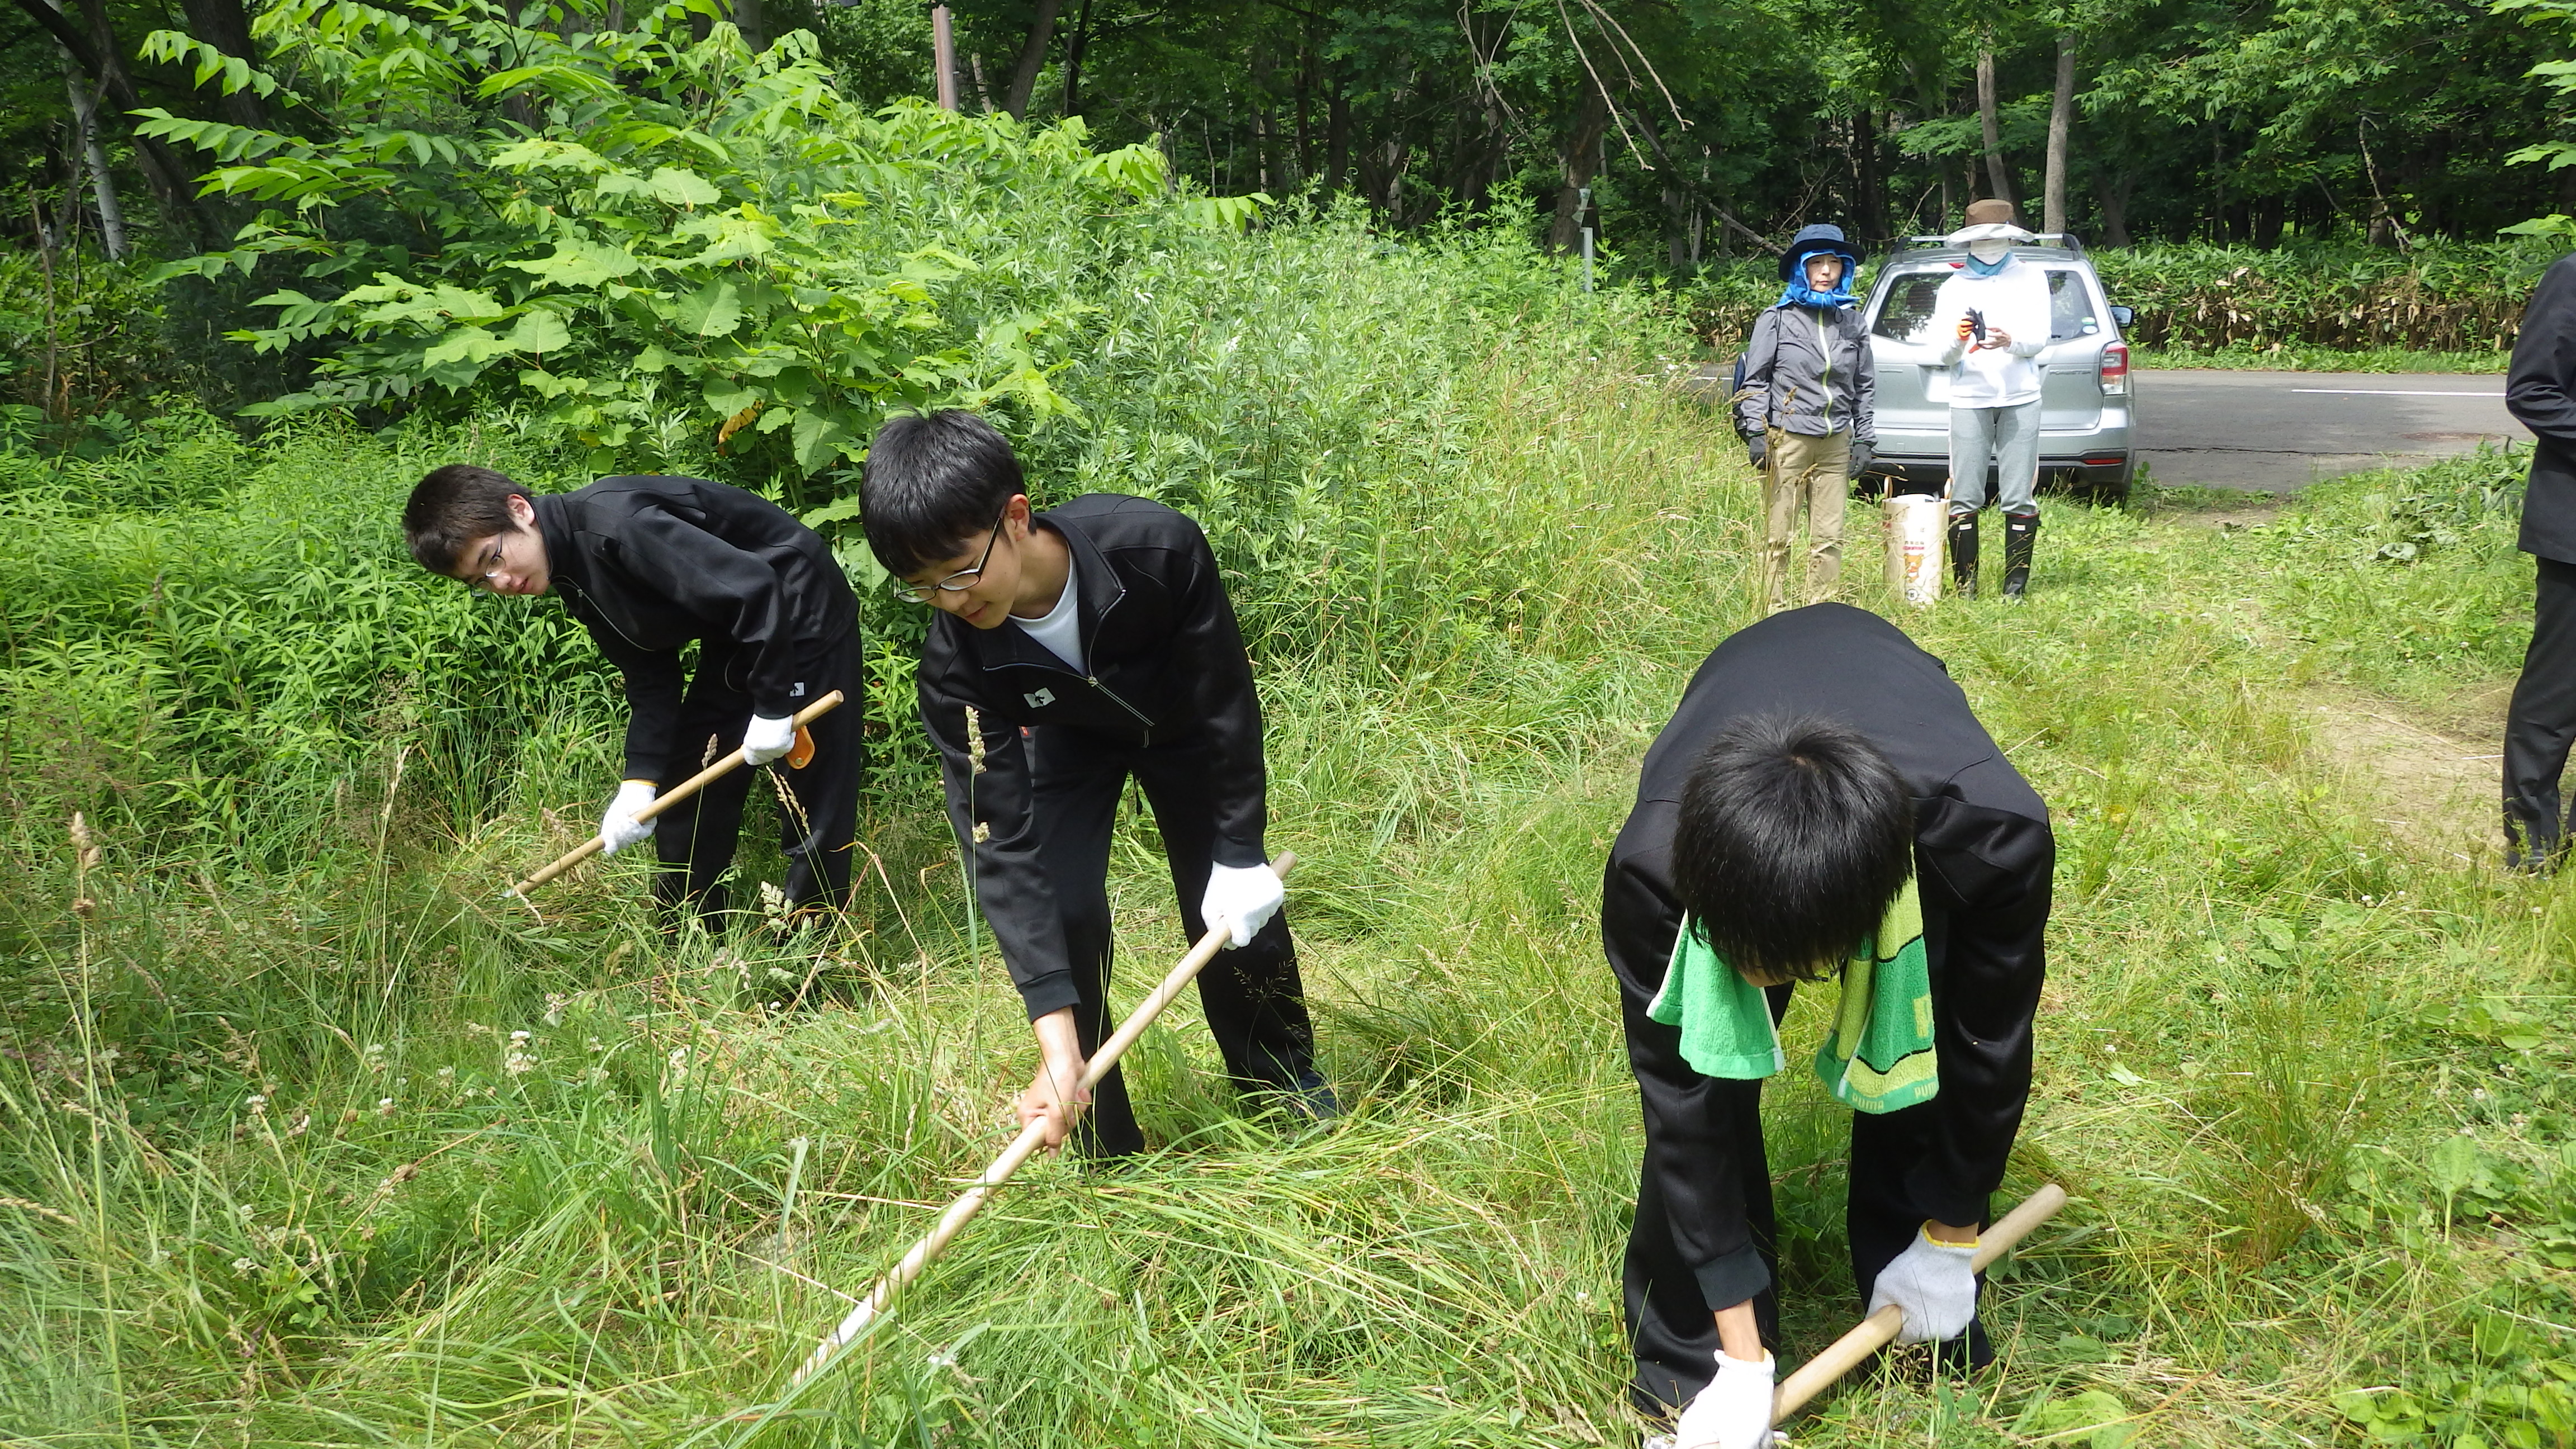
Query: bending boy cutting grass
point(1822, 803)
point(650, 565)
point(1073, 649)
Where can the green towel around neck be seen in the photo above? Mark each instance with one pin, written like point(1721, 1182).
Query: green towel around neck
point(1879, 1057)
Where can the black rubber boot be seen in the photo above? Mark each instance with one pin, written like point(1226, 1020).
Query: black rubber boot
point(2021, 531)
point(1963, 554)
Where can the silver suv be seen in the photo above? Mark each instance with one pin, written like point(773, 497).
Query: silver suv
point(2087, 406)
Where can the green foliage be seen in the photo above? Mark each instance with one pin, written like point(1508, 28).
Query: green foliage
point(699, 239)
point(2317, 304)
point(2451, 297)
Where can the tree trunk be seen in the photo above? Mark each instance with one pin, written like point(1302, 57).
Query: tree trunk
point(748, 19)
point(1265, 139)
point(225, 25)
point(96, 52)
point(1581, 156)
point(2061, 124)
point(1399, 157)
point(1305, 107)
point(1337, 138)
point(1869, 208)
point(111, 217)
point(1991, 125)
point(975, 72)
point(2112, 199)
point(1032, 60)
point(1074, 46)
point(943, 58)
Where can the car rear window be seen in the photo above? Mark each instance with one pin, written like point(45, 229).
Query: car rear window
point(2070, 306)
point(1906, 316)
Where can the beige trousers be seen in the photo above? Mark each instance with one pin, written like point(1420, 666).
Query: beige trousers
point(1814, 471)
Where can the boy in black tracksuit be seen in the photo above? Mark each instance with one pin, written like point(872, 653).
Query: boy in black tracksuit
point(1976, 840)
point(1074, 649)
point(649, 564)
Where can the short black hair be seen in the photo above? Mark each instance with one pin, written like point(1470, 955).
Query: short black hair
point(931, 481)
point(454, 506)
point(1793, 836)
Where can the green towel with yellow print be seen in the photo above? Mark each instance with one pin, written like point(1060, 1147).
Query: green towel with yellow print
point(1879, 1057)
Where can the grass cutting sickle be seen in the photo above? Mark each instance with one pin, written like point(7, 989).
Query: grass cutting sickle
point(1022, 1148)
point(677, 793)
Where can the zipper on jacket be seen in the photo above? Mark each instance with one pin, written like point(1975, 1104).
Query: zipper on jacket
point(1112, 695)
point(1826, 347)
point(584, 595)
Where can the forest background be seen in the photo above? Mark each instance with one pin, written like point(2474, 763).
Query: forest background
point(312, 1139)
point(2289, 176)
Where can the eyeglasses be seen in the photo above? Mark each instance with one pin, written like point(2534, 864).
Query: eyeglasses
point(958, 582)
point(485, 567)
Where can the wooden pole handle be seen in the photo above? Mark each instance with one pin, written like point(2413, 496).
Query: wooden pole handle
point(1880, 1329)
point(674, 796)
point(1022, 1148)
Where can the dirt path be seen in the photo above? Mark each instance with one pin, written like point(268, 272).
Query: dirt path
point(2432, 781)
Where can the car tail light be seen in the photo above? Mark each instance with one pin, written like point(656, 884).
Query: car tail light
point(2115, 369)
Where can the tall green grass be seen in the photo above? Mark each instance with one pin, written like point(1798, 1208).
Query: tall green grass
point(280, 1169)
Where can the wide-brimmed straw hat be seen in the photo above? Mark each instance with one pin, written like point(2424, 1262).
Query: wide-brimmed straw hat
point(1988, 220)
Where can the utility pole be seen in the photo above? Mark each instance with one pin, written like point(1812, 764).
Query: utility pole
point(943, 53)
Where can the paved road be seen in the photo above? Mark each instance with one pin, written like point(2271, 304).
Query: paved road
point(2281, 431)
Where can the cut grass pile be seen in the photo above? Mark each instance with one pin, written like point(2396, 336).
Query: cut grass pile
point(348, 1152)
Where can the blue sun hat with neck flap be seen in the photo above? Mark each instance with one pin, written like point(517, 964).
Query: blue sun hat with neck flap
point(1822, 239)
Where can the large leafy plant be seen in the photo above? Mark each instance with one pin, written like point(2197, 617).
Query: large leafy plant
point(636, 236)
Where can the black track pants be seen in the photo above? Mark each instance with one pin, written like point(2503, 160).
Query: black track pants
point(1254, 1002)
point(696, 838)
point(2542, 721)
point(1675, 1328)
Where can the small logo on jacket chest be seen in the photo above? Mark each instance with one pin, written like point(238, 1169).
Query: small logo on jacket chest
point(1040, 698)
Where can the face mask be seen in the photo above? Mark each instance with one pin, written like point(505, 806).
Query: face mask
point(1990, 252)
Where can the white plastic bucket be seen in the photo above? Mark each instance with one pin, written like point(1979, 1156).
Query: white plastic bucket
point(1915, 527)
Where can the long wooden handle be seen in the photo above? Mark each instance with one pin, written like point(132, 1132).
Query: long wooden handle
point(1022, 1148)
point(669, 798)
point(1880, 1329)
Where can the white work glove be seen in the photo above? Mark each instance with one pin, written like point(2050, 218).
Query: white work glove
point(768, 739)
point(1245, 897)
point(619, 827)
point(1733, 1412)
point(1936, 1286)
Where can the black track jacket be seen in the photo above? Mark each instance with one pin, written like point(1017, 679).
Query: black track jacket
point(1983, 855)
point(1167, 667)
point(2540, 389)
point(649, 564)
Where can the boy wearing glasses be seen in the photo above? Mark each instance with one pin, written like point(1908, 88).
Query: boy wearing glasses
point(1074, 649)
point(648, 565)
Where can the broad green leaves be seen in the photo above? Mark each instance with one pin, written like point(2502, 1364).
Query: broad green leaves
point(695, 240)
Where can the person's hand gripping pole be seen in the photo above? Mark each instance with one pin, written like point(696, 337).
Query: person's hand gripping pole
point(1887, 1324)
point(642, 805)
point(1739, 1407)
point(1033, 1137)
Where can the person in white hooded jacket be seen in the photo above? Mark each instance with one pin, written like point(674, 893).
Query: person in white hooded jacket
point(1998, 308)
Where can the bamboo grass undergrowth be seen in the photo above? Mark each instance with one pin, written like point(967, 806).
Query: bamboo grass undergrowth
point(337, 1148)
